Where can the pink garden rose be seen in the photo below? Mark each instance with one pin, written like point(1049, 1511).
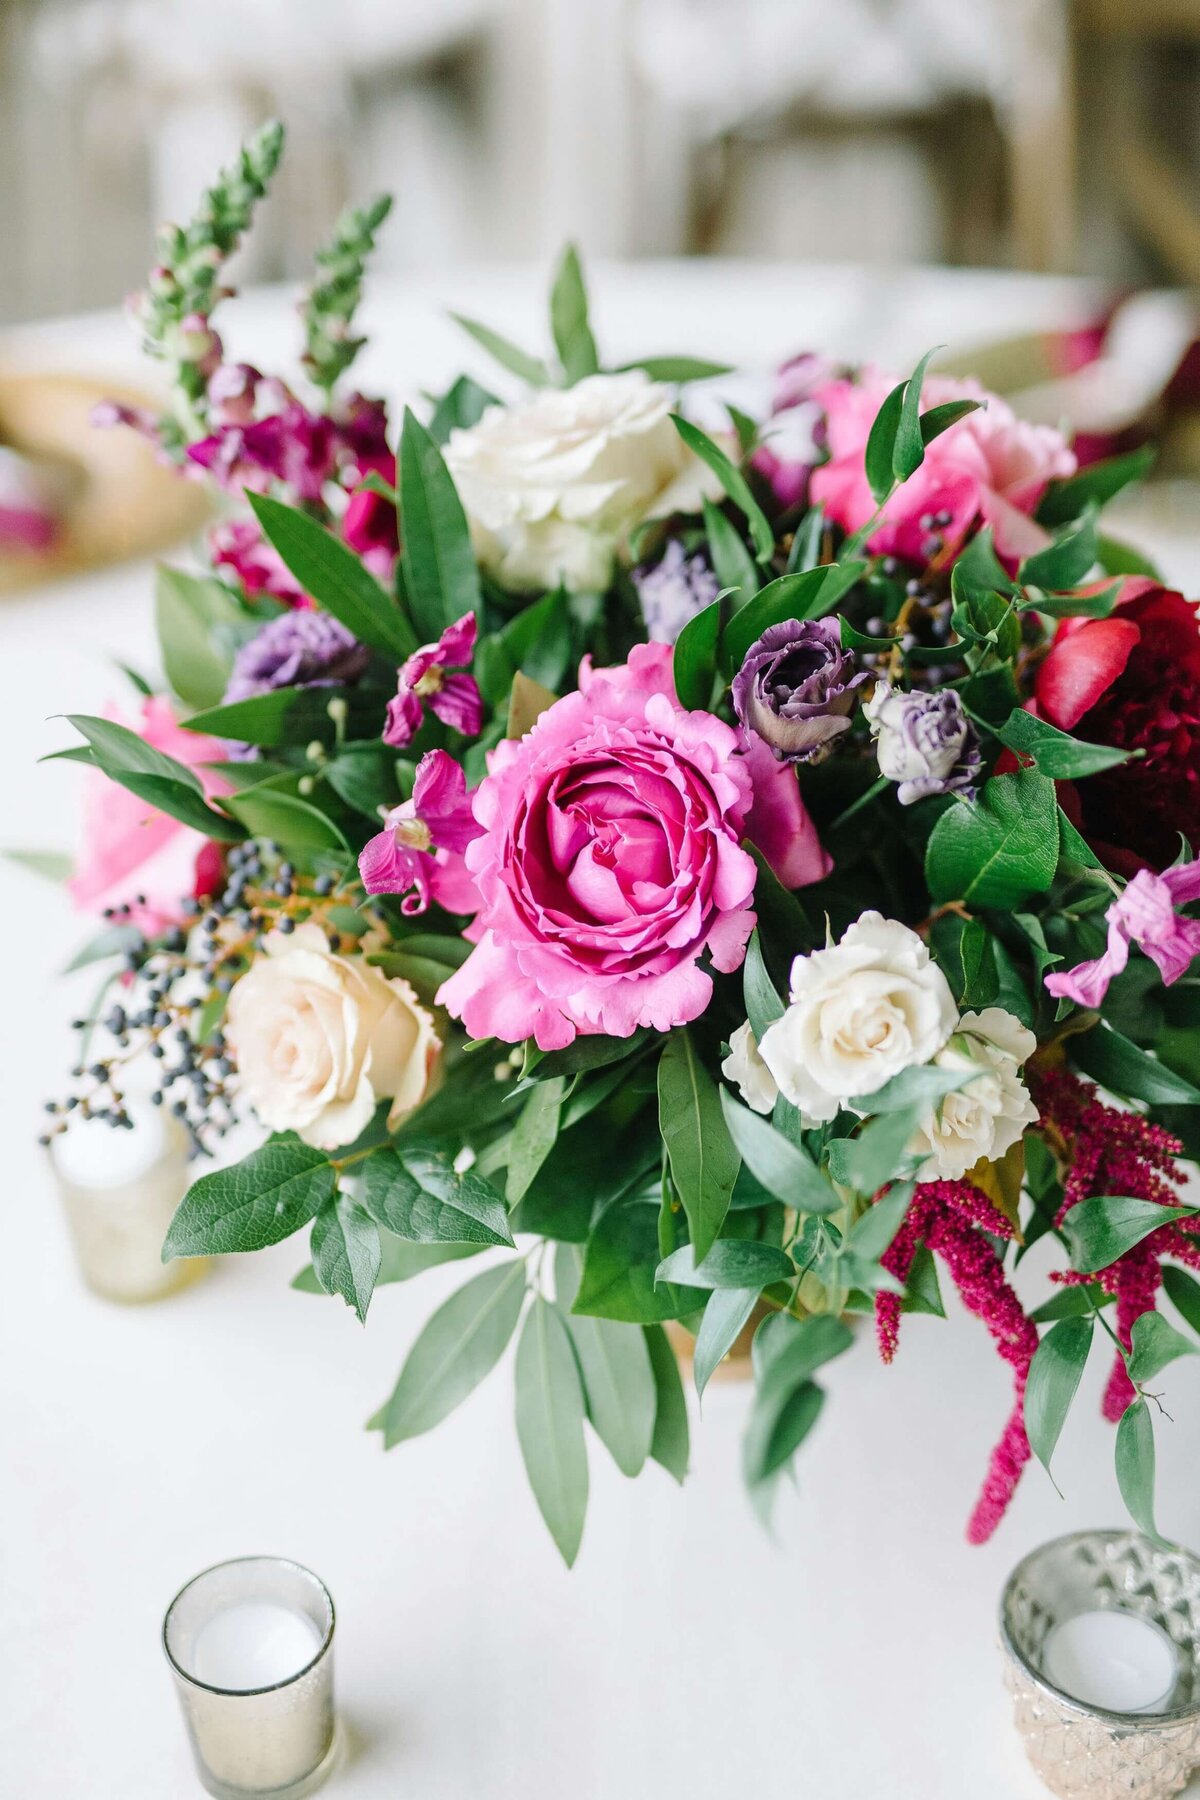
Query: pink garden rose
point(608, 865)
point(990, 469)
point(130, 848)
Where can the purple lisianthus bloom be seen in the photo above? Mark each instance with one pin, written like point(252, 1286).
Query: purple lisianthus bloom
point(300, 649)
point(673, 592)
point(924, 741)
point(795, 688)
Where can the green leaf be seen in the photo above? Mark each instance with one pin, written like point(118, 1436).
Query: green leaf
point(694, 662)
point(914, 1087)
point(534, 1135)
point(1000, 850)
point(877, 1154)
point(293, 715)
point(259, 1201)
point(1154, 1344)
point(1095, 485)
point(1124, 1069)
point(569, 319)
point(733, 482)
point(677, 369)
point(671, 1441)
point(1054, 1376)
point(763, 1005)
point(1056, 753)
point(459, 1345)
point(704, 1163)
point(1064, 563)
point(784, 1170)
point(619, 1264)
point(1075, 606)
point(937, 419)
point(1135, 1466)
point(51, 865)
point(509, 355)
point(292, 822)
point(922, 1290)
point(880, 452)
point(1072, 847)
point(731, 1263)
point(162, 782)
point(346, 1251)
point(1183, 1291)
point(1118, 558)
point(335, 577)
point(402, 1261)
point(732, 563)
point(618, 1377)
point(1071, 1302)
point(908, 452)
point(441, 577)
point(416, 1192)
point(880, 1223)
point(192, 615)
point(1103, 1228)
point(550, 1425)
point(725, 1318)
point(786, 1401)
point(461, 406)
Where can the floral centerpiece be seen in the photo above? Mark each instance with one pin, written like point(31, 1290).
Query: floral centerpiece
point(725, 871)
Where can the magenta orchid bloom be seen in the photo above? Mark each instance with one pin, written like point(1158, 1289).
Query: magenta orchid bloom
point(1145, 915)
point(419, 851)
point(425, 679)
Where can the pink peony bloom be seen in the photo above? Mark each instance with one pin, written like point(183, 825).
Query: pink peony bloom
point(239, 547)
point(990, 469)
point(419, 851)
point(778, 822)
point(425, 680)
point(1144, 914)
point(130, 849)
point(608, 865)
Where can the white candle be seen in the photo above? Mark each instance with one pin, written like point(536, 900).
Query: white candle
point(253, 1644)
point(1113, 1659)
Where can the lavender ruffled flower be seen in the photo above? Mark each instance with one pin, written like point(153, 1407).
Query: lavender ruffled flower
point(924, 741)
point(299, 649)
point(796, 688)
point(673, 592)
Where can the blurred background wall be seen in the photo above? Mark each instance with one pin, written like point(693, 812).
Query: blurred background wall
point(1036, 134)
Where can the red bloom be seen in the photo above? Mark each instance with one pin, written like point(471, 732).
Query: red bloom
point(1133, 681)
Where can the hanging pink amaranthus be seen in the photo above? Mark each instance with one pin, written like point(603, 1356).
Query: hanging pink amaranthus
point(1117, 1153)
point(951, 1219)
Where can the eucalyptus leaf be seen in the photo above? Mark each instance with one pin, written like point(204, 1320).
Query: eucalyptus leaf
point(784, 1169)
point(550, 1425)
point(670, 1444)
point(704, 1163)
point(734, 483)
point(730, 1263)
point(458, 1346)
point(725, 1318)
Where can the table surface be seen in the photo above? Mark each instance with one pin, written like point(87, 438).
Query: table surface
point(688, 1654)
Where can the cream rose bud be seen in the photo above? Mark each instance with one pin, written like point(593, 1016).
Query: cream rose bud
point(859, 1012)
point(987, 1115)
point(552, 487)
point(320, 1039)
point(748, 1072)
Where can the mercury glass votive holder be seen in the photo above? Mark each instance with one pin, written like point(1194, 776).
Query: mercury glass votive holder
point(250, 1644)
point(119, 1189)
point(1084, 1752)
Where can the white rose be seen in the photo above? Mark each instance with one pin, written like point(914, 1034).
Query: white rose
point(988, 1114)
point(859, 1012)
point(747, 1070)
point(552, 487)
point(320, 1039)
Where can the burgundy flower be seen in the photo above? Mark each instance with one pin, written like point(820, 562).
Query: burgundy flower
point(426, 680)
point(419, 851)
point(1132, 681)
point(371, 528)
point(293, 446)
point(238, 545)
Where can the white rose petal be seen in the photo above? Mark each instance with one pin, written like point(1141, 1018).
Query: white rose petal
point(552, 487)
point(987, 1115)
point(859, 1013)
point(320, 1039)
point(747, 1070)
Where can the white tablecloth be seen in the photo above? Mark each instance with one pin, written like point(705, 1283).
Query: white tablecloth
point(688, 1656)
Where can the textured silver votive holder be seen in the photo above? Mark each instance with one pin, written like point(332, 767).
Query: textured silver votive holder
point(278, 1741)
point(1083, 1752)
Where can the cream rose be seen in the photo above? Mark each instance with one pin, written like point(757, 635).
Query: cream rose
point(987, 1115)
point(552, 487)
point(749, 1073)
point(859, 1012)
point(320, 1039)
